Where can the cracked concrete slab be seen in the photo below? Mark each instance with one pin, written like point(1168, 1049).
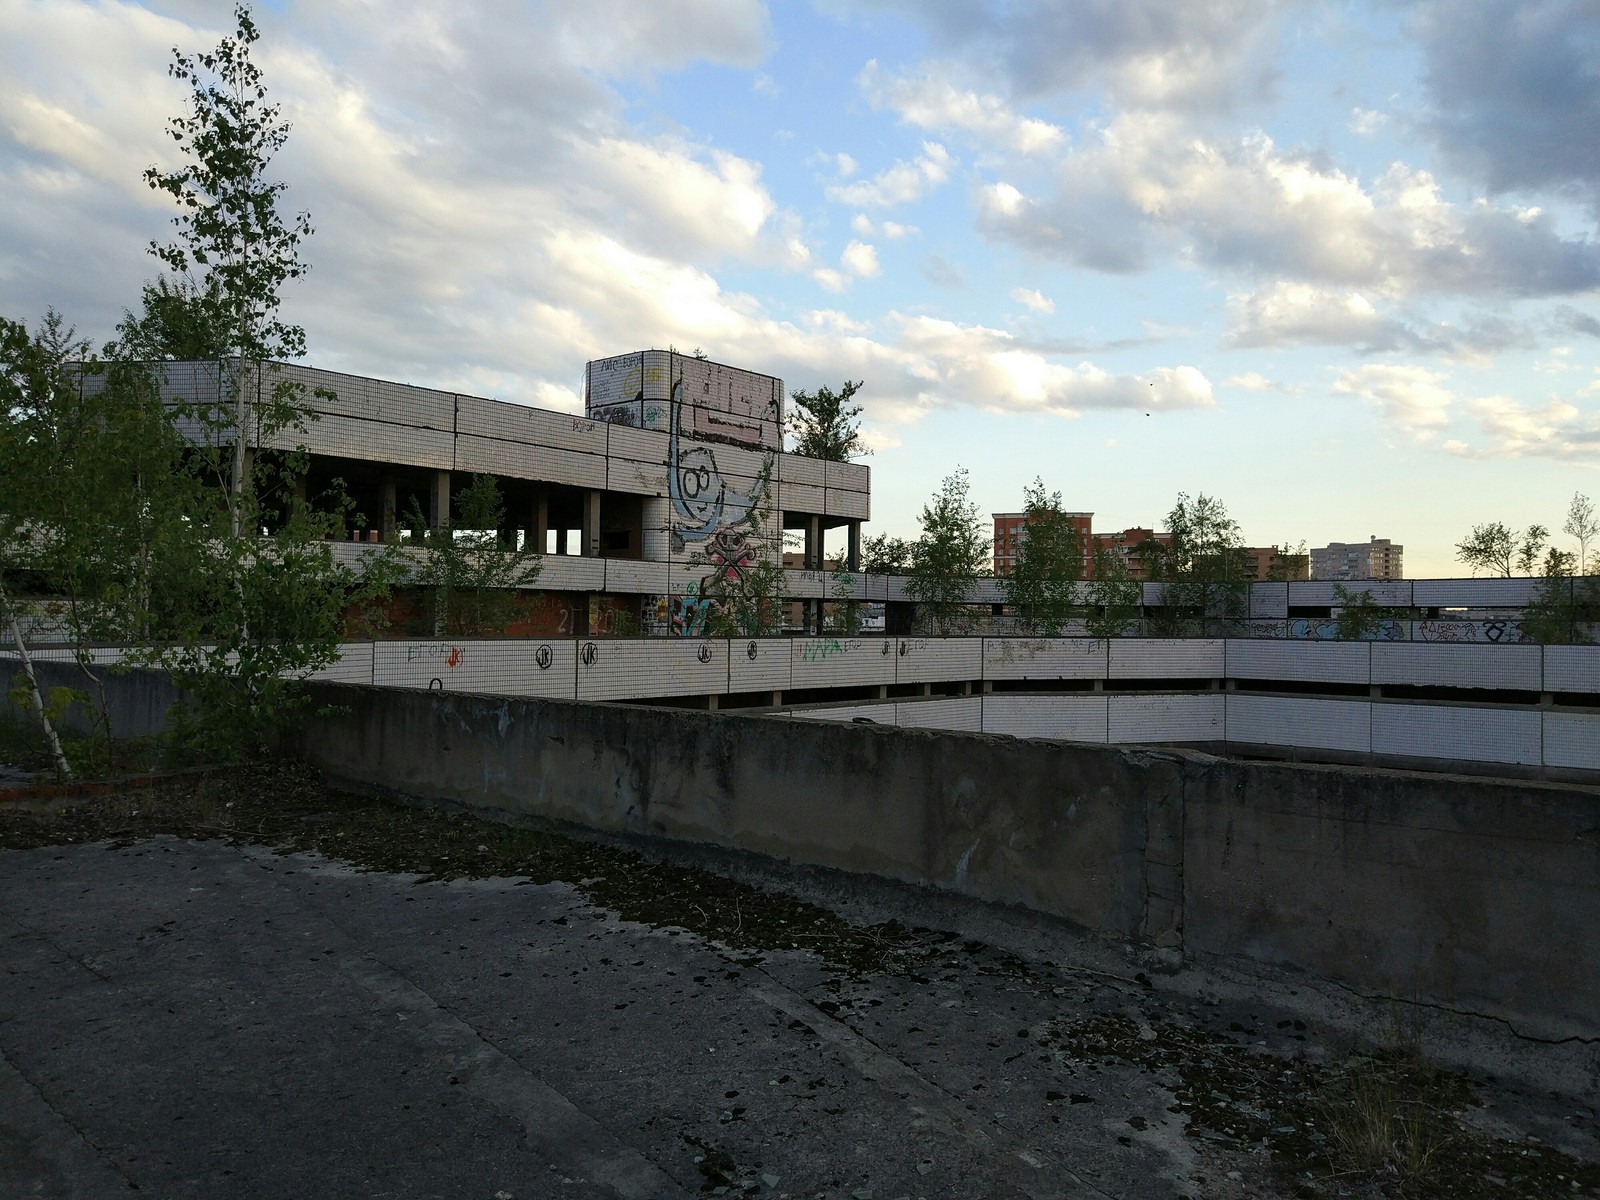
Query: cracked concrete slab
point(195, 1019)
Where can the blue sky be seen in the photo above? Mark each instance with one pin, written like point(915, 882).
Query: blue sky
point(1335, 263)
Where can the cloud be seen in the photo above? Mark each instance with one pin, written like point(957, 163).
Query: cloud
point(1252, 381)
point(1414, 399)
point(1516, 91)
point(1365, 123)
point(1149, 54)
point(1251, 208)
point(893, 230)
point(1297, 314)
point(977, 365)
point(930, 100)
point(1559, 429)
point(1037, 301)
point(900, 184)
point(861, 260)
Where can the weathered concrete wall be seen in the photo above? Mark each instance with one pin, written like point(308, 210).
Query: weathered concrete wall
point(1056, 827)
point(1473, 894)
point(1476, 895)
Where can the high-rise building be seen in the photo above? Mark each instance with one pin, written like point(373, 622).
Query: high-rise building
point(1377, 558)
point(1010, 529)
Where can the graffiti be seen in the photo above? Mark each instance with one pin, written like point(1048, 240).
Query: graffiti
point(544, 656)
point(700, 495)
point(1503, 632)
point(752, 651)
point(821, 650)
point(690, 616)
point(731, 557)
point(589, 654)
point(704, 653)
point(453, 656)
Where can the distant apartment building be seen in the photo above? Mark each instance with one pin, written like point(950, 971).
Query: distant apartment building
point(1128, 547)
point(1011, 528)
point(1262, 563)
point(1377, 558)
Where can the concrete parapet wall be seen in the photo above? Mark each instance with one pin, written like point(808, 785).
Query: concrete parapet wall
point(1475, 895)
point(1478, 896)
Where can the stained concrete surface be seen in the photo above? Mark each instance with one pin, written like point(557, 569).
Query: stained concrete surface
point(197, 1019)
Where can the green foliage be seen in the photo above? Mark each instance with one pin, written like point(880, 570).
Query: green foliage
point(1565, 610)
point(1581, 525)
point(1115, 597)
point(1043, 583)
point(1288, 562)
point(952, 551)
point(1203, 567)
point(824, 424)
point(885, 555)
point(180, 320)
point(1360, 616)
point(1490, 548)
point(471, 577)
point(846, 615)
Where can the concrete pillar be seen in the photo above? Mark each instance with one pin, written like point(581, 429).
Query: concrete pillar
point(390, 518)
point(439, 500)
point(813, 559)
point(590, 545)
point(561, 540)
point(852, 561)
point(815, 607)
point(540, 533)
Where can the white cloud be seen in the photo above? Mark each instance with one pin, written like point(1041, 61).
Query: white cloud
point(1414, 399)
point(861, 260)
point(1559, 430)
point(830, 280)
point(900, 184)
point(1251, 381)
point(983, 366)
point(1364, 122)
point(1297, 313)
point(1248, 206)
point(930, 100)
point(1035, 300)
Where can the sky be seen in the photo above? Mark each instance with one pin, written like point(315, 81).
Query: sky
point(1332, 262)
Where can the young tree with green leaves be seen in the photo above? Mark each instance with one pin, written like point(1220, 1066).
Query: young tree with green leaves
point(469, 575)
point(1043, 583)
point(1203, 567)
point(1360, 617)
point(1490, 548)
point(885, 555)
point(1582, 526)
point(1114, 596)
point(952, 552)
point(824, 424)
point(1566, 607)
point(230, 228)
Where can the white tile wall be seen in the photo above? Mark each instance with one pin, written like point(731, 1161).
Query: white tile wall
point(1044, 658)
point(1572, 740)
point(963, 713)
point(635, 576)
point(1269, 600)
point(1178, 658)
point(638, 669)
point(1071, 718)
point(1457, 731)
point(1572, 669)
point(1472, 593)
point(1504, 667)
point(1324, 662)
point(572, 573)
point(1300, 721)
point(932, 660)
point(1166, 718)
point(758, 664)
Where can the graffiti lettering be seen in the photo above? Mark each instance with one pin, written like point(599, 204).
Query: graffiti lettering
point(452, 655)
point(820, 650)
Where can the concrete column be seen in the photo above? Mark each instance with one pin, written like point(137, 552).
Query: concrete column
point(852, 560)
point(439, 500)
point(813, 559)
point(390, 518)
point(590, 545)
point(540, 533)
point(561, 540)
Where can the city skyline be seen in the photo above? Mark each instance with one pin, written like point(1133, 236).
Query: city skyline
point(1334, 264)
